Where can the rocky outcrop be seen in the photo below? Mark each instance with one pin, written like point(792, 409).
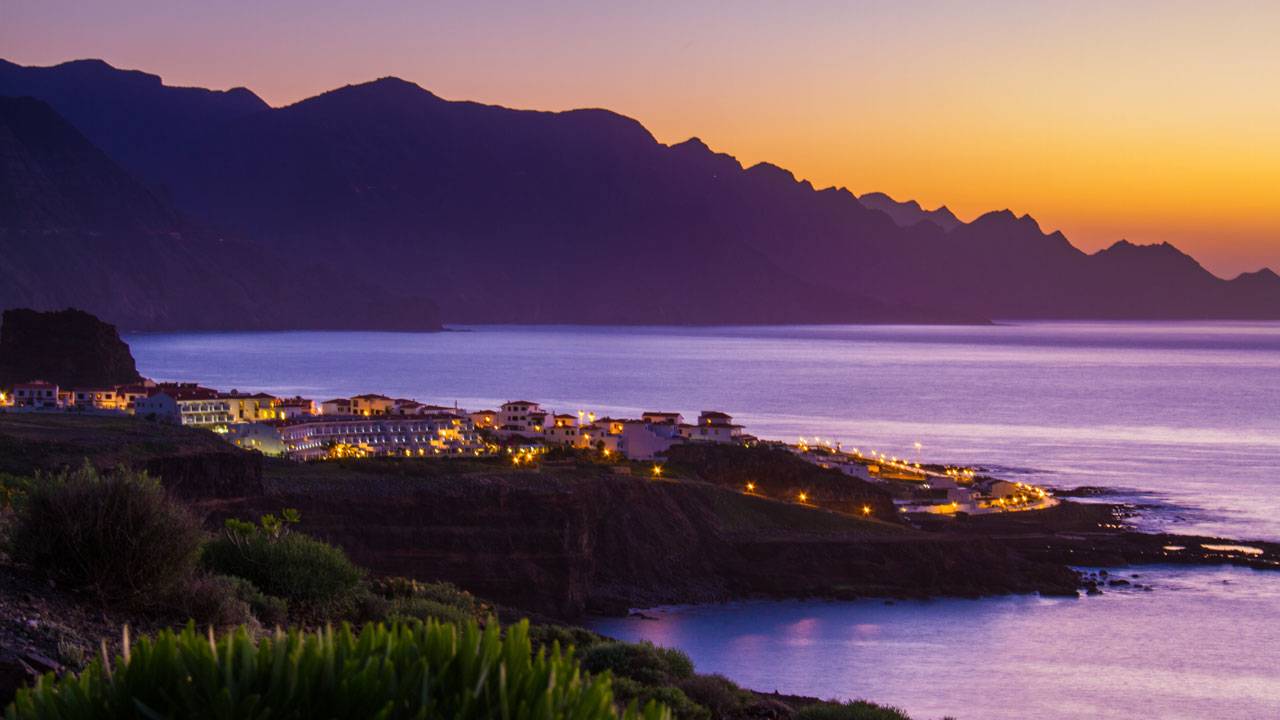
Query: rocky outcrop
point(69, 347)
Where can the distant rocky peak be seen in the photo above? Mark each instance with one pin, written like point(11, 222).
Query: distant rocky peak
point(908, 212)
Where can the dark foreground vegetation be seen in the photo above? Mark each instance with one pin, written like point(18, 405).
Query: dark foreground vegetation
point(118, 542)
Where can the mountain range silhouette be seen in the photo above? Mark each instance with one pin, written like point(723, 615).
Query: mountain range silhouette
point(389, 192)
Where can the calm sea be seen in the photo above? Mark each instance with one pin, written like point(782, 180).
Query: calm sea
point(1181, 420)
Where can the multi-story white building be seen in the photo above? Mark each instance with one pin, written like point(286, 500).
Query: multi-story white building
point(314, 437)
point(186, 405)
point(564, 430)
point(372, 404)
point(250, 407)
point(521, 417)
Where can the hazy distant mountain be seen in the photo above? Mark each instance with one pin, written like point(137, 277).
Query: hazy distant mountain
point(517, 216)
point(908, 213)
point(136, 119)
point(77, 230)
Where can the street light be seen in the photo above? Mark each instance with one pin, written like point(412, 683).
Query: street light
point(751, 487)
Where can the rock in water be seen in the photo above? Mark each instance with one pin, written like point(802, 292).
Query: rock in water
point(69, 347)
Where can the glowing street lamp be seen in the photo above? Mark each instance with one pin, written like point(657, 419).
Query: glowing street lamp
point(803, 497)
point(751, 487)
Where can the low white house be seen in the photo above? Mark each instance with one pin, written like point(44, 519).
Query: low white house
point(336, 406)
point(35, 395)
point(713, 426)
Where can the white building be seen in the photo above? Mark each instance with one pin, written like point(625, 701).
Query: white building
point(643, 440)
point(372, 404)
point(186, 405)
point(35, 395)
point(564, 430)
point(713, 426)
point(336, 406)
point(312, 437)
point(521, 417)
point(98, 398)
point(293, 407)
point(250, 407)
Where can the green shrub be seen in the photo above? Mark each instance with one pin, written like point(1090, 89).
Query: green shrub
point(313, 577)
point(682, 708)
point(212, 600)
point(118, 533)
point(717, 693)
point(270, 610)
point(566, 636)
point(406, 599)
point(642, 661)
point(449, 594)
point(852, 710)
point(417, 608)
point(424, 671)
point(13, 490)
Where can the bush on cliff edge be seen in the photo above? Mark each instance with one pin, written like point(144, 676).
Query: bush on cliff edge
point(313, 577)
point(118, 533)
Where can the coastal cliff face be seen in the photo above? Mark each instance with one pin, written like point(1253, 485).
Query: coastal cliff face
point(562, 545)
point(69, 347)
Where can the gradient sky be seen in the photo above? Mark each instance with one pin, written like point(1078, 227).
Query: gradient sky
point(1149, 121)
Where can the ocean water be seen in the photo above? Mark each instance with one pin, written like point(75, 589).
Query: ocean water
point(1203, 645)
point(1180, 420)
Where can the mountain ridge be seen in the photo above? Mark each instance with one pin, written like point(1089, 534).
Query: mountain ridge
point(78, 230)
point(472, 200)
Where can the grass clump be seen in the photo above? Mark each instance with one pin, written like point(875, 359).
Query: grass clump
point(313, 577)
point(429, 670)
point(118, 533)
point(851, 710)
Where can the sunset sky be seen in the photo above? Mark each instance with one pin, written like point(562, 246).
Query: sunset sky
point(1153, 121)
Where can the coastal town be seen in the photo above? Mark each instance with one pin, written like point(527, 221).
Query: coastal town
point(371, 425)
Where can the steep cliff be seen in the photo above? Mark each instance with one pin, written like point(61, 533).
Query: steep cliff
point(69, 347)
point(563, 541)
